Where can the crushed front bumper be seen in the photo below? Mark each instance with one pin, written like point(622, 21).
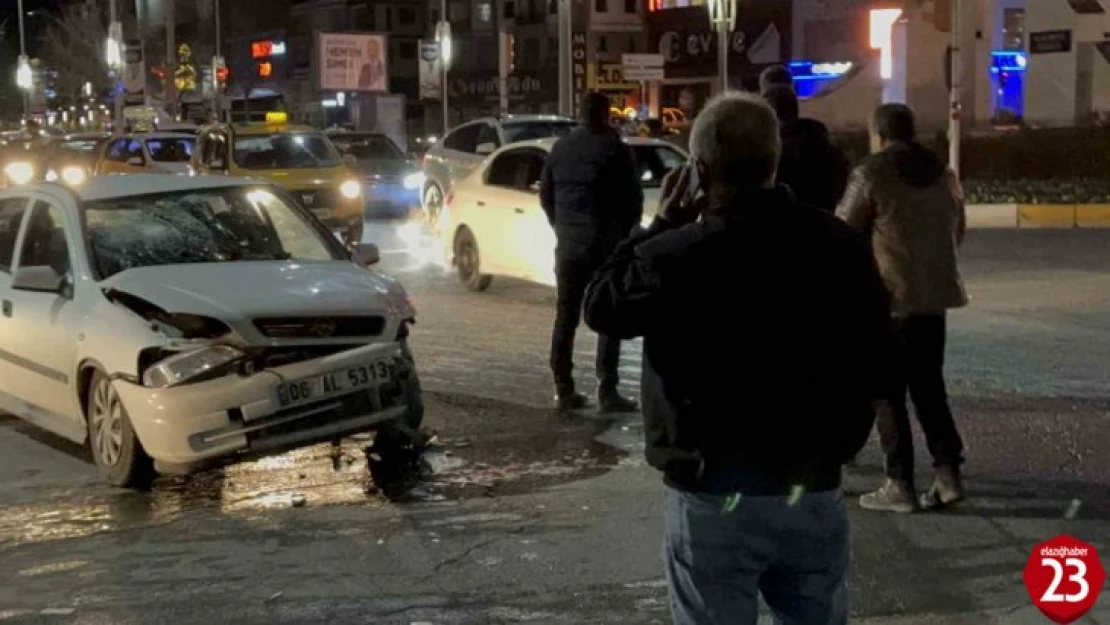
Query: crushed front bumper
point(188, 426)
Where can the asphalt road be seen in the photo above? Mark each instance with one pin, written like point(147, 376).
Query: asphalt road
point(531, 517)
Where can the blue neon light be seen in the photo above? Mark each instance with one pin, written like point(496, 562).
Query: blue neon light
point(811, 78)
point(1008, 78)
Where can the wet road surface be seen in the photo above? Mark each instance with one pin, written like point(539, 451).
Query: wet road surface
point(521, 515)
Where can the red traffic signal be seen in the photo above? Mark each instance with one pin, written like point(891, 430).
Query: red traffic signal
point(222, 74)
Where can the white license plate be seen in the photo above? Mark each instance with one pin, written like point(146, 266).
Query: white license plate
point(322, 213)
point(333, 383)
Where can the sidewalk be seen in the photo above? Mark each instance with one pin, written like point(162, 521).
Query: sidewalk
point(1038, 216)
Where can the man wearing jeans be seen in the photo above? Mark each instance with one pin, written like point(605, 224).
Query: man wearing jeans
point(765, 327)
point(910, 206)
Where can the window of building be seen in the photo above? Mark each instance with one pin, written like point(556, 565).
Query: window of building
point(553, 7)
point(407, 50)
point(458, 11)
point(531, 55)
point(510, 10)
point(552, 50)
point(485, 12)
point(434, 16)
point(630, 6)
point(389, 18)
point(1013, 29)
point(655, 5)
point(601, 6)
point(630, 45)
point(406, 16)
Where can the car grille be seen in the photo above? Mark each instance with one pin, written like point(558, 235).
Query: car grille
point(320, 327)
point(317, 198)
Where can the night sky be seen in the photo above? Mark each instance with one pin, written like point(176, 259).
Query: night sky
point(34, 25)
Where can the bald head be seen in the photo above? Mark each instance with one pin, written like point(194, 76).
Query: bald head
point(735, 139)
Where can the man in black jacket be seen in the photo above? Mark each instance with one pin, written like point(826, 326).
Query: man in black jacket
point(814, 168)
point(751, 399)
point(593, 198)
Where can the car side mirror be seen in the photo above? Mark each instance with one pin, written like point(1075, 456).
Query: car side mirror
point(485, 149)
point(350, 160)
point(39, 279)
point(366, 254)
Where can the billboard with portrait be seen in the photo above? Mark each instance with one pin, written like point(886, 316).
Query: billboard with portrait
point(353, 62)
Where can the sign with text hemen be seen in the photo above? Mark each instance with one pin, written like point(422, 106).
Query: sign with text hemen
point(431, 78)
point(352, 62)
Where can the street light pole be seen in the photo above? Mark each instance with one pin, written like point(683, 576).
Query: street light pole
point(955, 129)
point(115, 63)
point(24, 65)
point(722, 14)
point(443, 38)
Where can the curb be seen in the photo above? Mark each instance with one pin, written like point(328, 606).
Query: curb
point(1038, 216)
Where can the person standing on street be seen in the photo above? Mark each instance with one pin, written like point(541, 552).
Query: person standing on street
point(593, 198)
point(910, 206)
point(751, 401)
point(814, 168)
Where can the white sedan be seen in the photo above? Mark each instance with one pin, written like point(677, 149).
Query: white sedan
point(493, 225)
point(173, 322)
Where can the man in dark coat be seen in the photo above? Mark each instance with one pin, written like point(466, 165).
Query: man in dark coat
point(751, 400)
point(811, 165)
point(592, 196)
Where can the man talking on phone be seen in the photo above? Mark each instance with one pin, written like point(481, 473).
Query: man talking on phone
point(592, 196)
point(751, 402)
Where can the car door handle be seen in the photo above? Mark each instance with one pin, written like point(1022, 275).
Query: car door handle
point(7, 306)
point(518, 211)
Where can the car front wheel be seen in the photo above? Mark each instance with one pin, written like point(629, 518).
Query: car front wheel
point(468, 262)
point(116, 450)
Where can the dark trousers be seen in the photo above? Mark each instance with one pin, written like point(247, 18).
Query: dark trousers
point(572, 273)
point(722, 552)
point(919, 369)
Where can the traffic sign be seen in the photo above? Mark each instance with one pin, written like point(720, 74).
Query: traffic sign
point(1064, 578)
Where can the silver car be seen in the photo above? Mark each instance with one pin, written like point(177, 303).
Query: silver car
point(454, 156)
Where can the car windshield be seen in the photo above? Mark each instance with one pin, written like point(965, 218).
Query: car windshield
point(369, 147)
point(653, 162)
point(238, 224)
point(524, 131)
point(80, 145)
point(300, 150)
point(171, 150)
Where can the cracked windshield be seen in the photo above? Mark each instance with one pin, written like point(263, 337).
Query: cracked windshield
point(783, 312)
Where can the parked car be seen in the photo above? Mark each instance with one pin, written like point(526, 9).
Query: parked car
point(147, 152)
point(300, 159)
point(391, 179)
point(492, 222)
point(455, 155)
point(171, 322)
point(69, 158)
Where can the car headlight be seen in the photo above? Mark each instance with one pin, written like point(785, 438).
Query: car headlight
point(51, 175)
point(185, 366)
point(350, 189)
point(20, 172)
point(73, 175)
point(413, 181)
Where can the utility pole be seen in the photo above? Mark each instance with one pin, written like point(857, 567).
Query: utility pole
point(115, 62)
point(171, 61)
point(955, 113)
point(24, 76)
point(504, 67)
point(566, 63)
point(443, 38)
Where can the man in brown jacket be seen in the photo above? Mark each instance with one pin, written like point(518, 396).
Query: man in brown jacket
point(910, 206)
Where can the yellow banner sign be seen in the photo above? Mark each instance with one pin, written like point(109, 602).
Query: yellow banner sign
point(607, 77)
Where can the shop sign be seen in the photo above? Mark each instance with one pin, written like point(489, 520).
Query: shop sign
point(1050, 41)
point(520, 85)
point(578, 68)
point(610, 78)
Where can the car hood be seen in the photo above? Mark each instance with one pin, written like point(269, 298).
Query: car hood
point(306, 178)
point(243, 290)
point(384, 167)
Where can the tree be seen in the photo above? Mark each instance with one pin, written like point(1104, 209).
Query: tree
point(74, 47)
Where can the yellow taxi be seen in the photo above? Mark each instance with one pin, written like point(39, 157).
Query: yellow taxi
point(300, 159)
point(147, 153)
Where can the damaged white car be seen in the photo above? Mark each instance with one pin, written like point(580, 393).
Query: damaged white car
point(176, 322)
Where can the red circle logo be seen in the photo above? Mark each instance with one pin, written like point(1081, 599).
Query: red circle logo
point(1064, 578)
